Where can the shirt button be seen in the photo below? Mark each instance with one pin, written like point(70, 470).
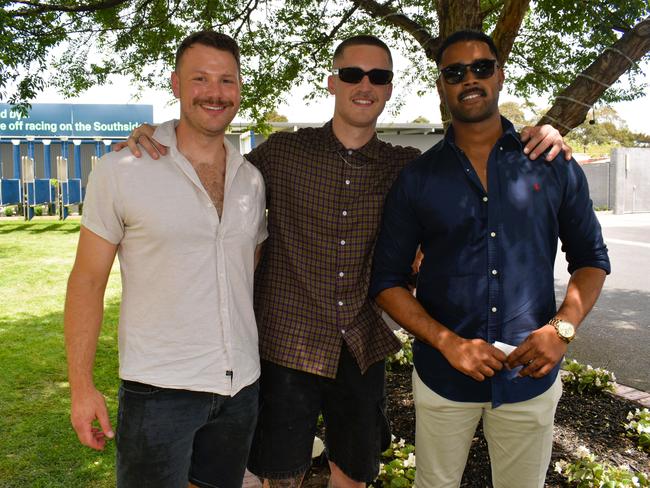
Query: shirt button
point(344, 213)
point(342, 331)
point(500, 148)
point(349, 152)
point(341, 274)
point(347, 182)
point(340, 303)
point(494, 272)
point(494, 309)
point(343, 243)
point(493, 234)
point(485, 199)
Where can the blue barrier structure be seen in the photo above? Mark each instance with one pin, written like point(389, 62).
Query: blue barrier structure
point(10, 193)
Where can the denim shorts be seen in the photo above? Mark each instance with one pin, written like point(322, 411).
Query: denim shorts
point(167, 437)
point(353, 407)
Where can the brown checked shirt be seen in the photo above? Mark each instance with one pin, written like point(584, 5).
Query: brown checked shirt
point(311, 287)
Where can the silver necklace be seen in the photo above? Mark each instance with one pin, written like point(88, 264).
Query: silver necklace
point(353, 166)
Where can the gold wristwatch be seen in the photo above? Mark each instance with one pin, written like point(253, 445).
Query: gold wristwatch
point(565, 330)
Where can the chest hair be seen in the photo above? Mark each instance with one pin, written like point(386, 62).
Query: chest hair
point(213, 177)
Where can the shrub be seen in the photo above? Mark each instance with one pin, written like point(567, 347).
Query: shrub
point(9, 211)
point(587, 472)
point(585, 379)
point(403, 357)
point(38, 210)
point(639, 428)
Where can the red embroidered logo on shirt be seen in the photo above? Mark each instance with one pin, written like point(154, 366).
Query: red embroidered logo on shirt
point(536, 187)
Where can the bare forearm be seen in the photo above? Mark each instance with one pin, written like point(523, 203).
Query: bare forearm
point(82, 321)
point(582, 292)
point(402, 306)
point(473, 357)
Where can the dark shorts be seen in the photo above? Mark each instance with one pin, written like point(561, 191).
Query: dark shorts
point(353, 407)
point(167, 437)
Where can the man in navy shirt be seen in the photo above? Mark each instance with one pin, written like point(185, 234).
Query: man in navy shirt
point(489, 337)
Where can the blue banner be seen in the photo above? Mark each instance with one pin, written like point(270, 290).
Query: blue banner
point(66, 119)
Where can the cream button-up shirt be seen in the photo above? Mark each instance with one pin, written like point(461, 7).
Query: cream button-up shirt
point(186, 318)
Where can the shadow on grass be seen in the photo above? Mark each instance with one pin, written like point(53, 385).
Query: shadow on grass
point(40, 227)
point(38, 446)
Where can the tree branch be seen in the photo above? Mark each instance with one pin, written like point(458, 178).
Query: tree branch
point(507, 27)
point(573, 103)
point(35, 8)
point(391, 16)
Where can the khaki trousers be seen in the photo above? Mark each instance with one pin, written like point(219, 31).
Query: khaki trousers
point(519, 436)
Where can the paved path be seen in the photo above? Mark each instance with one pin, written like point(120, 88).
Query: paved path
point(616, 335)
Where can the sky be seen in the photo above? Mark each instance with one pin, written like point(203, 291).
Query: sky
point(635, 113)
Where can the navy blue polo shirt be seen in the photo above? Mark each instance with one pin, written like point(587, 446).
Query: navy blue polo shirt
point(488, 256)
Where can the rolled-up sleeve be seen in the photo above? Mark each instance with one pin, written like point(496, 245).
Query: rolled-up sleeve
point(579, 229)
point(398, 239)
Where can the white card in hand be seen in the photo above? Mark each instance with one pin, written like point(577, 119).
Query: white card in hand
point(506, 348)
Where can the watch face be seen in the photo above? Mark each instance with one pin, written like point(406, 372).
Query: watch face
point(565, 329)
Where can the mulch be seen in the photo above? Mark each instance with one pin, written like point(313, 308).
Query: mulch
point(593, 421)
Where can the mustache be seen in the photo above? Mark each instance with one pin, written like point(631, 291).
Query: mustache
point(365, 94)
point(470, 91)
point(213, 101)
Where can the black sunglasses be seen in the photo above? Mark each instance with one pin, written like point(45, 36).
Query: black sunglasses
point(482, 69)
point(355, 75)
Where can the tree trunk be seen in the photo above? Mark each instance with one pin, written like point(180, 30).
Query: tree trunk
point(456, 15)
point(573, 104)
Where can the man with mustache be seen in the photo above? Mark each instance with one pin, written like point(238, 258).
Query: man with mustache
point(187, 227)
point(322, 341)
point(489, 337)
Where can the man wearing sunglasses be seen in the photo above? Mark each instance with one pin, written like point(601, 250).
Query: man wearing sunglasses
point(489, 337)
point(322, 341)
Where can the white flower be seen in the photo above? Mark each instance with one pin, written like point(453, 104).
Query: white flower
point(559, 465)
point(635, 481)
point(409, 462)
point(401, 443)
point(582, 451)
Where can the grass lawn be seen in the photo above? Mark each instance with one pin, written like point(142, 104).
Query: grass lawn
point(38, 447)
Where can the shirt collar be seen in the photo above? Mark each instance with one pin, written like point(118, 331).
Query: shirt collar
point(165, 133)
point(510, 136)
point(372, 149)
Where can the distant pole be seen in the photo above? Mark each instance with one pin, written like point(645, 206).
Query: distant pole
point(30, 148)
point(77, 158)
point(16, 154)
point(47, 159)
